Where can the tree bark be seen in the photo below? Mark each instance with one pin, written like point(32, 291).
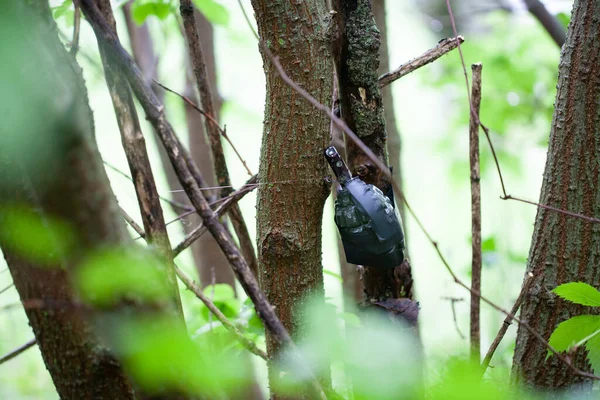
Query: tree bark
point(58, 174)
point(295, 134)
point(566, 249)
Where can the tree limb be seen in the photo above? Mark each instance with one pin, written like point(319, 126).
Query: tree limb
point(475, 331)
point(550, 23)
point(444, 46)
point(213, 129)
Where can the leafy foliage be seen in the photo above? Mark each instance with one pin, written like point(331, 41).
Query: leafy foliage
point(142, 9)
point(582, 329)
point(579, 293)
point(42, 239)
point(215, 12)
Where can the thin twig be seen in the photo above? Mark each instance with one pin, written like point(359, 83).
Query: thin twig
point(443, 47)
point(134, 145)
point(6, 288)
point(165, 199)
point(507, 322)
point(453, 301)
point(17, 351)
point(76, 28)
point(230, 200)
point(132, 223)
point(222, 131)
point(155, 114)
point(475, 331)
point(244, 341)
point(247, 343)
point(213, 130)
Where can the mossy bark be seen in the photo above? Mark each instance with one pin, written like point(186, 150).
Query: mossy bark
point(295, 135)
point(566, 249)
point(357, 57)
point(64, 180)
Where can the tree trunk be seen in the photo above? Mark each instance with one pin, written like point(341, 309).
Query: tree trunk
point(566, 249)
point(295, 135)
point(50, 165)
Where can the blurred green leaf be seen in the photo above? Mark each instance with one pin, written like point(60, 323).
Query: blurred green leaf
point(564, 19)
point(160, 356)
point(489, 244)
point(107, 277)
point(41, 239)
point(143, 9)
point(579, 293)
point(572, 331)
point(223, 296)
point(213, 11)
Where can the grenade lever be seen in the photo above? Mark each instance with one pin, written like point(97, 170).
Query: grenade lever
point(338, 165)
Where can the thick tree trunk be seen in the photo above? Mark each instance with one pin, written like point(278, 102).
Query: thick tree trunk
point(295, 135)
point(566, 249)
point(58, 174)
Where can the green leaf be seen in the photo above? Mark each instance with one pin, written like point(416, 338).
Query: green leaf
point(213, 11)
point(220, 292)
point(141, 11)
point(572, 331)
point(564, 19)
point(62, 10)
point(489, 244)
point(39, 238)
point(579, 293)
point(593, 348)
point(106, 277)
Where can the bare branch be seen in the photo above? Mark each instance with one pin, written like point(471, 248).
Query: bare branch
point(165, 199)
point(134, 146)
point(6, 288)
point(507, 322)
point(475, 332)
point(17, 351)
point(214, 131)
point(76, 28)
point(228, 201)
point(222, 131)
point(443, 47)
point(247, 343)
point(550, 23)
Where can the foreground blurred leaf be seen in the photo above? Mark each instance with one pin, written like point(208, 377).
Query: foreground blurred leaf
point(143, 9)
point(41, 239)
point(213, 11)
point(135, 273)
point(160, 356)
